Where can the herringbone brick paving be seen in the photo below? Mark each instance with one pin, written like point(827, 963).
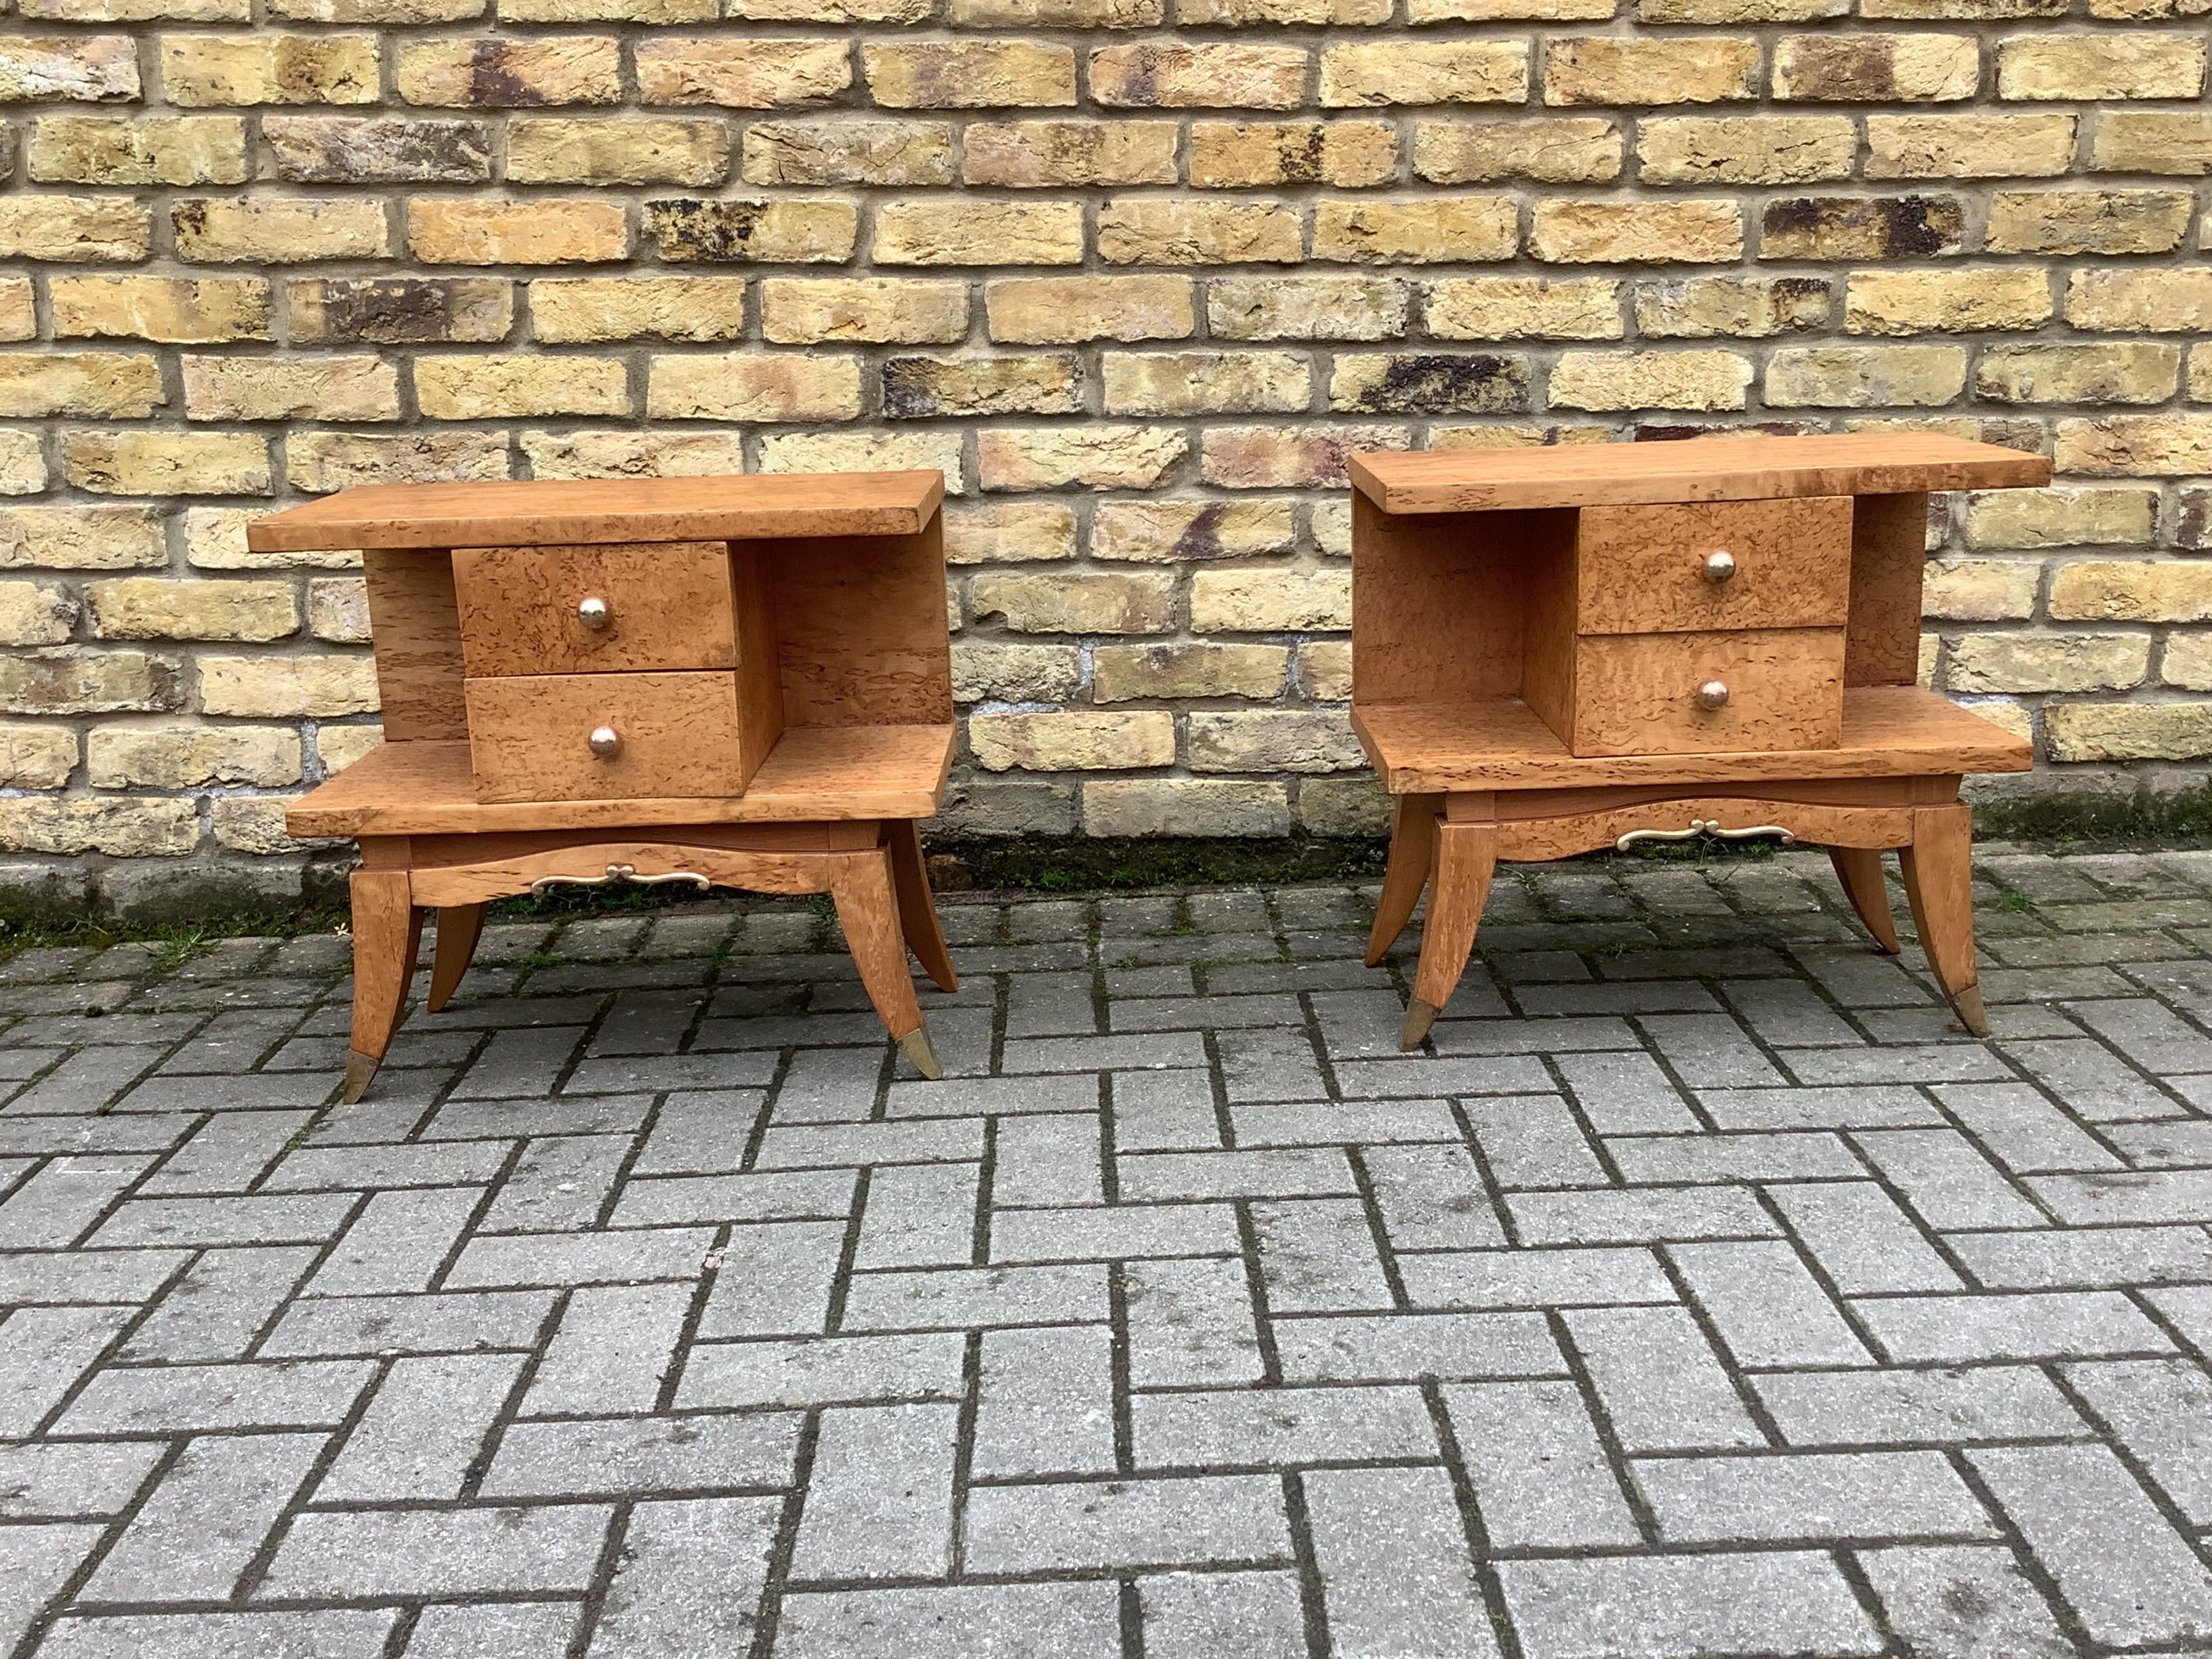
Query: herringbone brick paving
point(1702, 1292)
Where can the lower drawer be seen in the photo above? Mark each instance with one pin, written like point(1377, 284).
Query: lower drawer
point(531, 737)
point(1639, 694)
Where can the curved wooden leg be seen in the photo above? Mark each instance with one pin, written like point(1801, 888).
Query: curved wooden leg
point(1939, 880)
point(1859, 869)
point(386, 931)
point(917, 910)
point(459, 926)
point(1466, 858)
point(861, 887)
point(1413, 848)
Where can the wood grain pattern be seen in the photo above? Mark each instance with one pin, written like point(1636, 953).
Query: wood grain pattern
point(439, 852)
point(1534, 840)
point(459, 926)
point(860, 630)
point(1640, 569)
point(1436, 603)
point(505, 514)
point(1780, 793)
point(1406, 875)
point(1466, 858)
point(1859, 870)
point(861, 887)
point(814, 773)
point(387, 929)
point(499, 877)
point(416, 628)
point(1553, 577)
point(1635, 694)
point(1889, 543)
point(669, 606)
point(1713, 469)
point(1887, 731)
point(917, 910)
point(760, 672)
point(1939, 880)
point(680, 736)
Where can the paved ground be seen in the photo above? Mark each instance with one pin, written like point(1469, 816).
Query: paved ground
point(1702, 1292)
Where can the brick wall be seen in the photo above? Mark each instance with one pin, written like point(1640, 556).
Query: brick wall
point(1136, 285)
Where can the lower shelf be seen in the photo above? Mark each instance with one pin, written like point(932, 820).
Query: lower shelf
point(814, 773)
point(1889, 731)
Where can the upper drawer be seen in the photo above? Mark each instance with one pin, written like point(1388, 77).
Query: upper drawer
point(1714, 565)
point(659, 604)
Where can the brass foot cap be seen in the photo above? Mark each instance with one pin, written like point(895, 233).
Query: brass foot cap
point(1420, 1015)
point(1967, 1005)
point(915, 1046)
point(360, 1068)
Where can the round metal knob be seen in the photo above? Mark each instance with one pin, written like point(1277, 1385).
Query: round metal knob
point(604, 742)
point(593, 612)
point(1718, 567)
point(1713, 693)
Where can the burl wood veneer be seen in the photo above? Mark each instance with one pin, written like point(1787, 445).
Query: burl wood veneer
point(741, 682)
point(1556, 650)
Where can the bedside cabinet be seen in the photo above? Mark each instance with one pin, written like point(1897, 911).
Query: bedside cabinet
point(741, 682)
point(1556, 650)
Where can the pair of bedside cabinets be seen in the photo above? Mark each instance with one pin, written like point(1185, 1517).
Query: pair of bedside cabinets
point(746, 682)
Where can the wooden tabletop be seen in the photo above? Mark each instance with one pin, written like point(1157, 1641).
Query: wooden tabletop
point(1716, 469)
point(737, 509)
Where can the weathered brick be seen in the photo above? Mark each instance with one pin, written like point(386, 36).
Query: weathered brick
point(951, 232)
point(35, 613)
point(1095, 455)
point(2151, 301)
point(1069, 310)
point(2087, 220)
point(1577, 149)
point(1864, 377)
point(2124, 731)
point(278, 230)
point(1852, 228)
point(173, 310)
point(80, 69)
point(509, 74)
point(1968, 146)
point(549, 150)
point(2145, 141)
point(1524, 307)
point(74, 680)
point(157, 608)
point(1269, 601)
point(1148, 230)
point(1752, 307)
point(741, 73)
point(2042, 65)
point(1078, 740)
point(2146, 445)
point(474, 387)
point(2120, 371)
point(543, 231)
point(2100, 590)
point(303, 388)
point(729, 231)
point(1242, 154)
point(1203, 382)
point(107, 150)
point(2059, 518)
point(1428, 383)
point(147, 463)
point(1425, 72)
point(1745, 149)
point(918, 388)
point(971, 74)
point(1650, 379)
point(401, 310)
point(1026, 154)
point(1882, 69)
point(1289, 458)
point(1453, 230)
point(122, 385)
point(82, 538)
point(1080, 603)
point(1125, 673)
point(877, 310)
point(36, 757)
point(1647, 233)
point(1299, 740)
point(1979, 590)
point(1609, 71)
point(1208, 77)
point(755, 386)
point(289, 686)
point(1956, 300)
point(358, 150)
point(1184, 806)
point(1306, 307)
point(269, 69)
point(845, 151)
point(1010, 532)
point(75, 228)
point(2058, 662)
point(119, 827)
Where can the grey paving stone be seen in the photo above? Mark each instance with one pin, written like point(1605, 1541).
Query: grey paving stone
point(664, 1598)
point(1765, 1110)
point(1190, 1321)
point(459, 1322)
point(40, 1559)
point(1768, 1309)
point(1539, 1473)
point(1199, 1616)
point(1284, 1428)
point(1045, 1405)
point(206, 1519)
point(423, 1428)
point(785, 1196)
point(1534, 1140)
point(1904, 1407)
point(1079, 1621)
point(776, 1279)
point(2146, 1196)
point(822, 1370)
point(1115, 1233)
point(936, 1299)
point(56, 1479)
point(43, 1352)
point(182, 1398)
point(372, 1554)
point(610, 1258)
point(293, 1218)
point(1963, 1602)
point(1283, 1172)
point(1948, 1181)
point(617, 1456)
point(920, 1215)
point(1535, 1279)
point(2029, 1325)
point(921, 1140)
point(2160, 1410)
point(397, 1242)
point(1863, 1241)
point(1790, 1601)
point(1640, 1215)
point(1161, 1522)
point(569, 1114)
point(1658, 1381)
point(614, 1346)
point(114, 1276)
point(1319, 1255)
point(1431, 1198)
point(880, 1502)
point(1663, 1159)
point(1395, 1571)
point(1409, 1346)
point(63, 1200)
point(1626, 1094)
point(495, 1629)
point(222, 1302)
point(2086, 1259)
point(560, 1182)
point(330, 1633)
point(1810, 1496)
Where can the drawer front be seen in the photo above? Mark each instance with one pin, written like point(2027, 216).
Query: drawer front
point(1714, 564)
point(530, 736)
point(660, 605)
point(1638, 694)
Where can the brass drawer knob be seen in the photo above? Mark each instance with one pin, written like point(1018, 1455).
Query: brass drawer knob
point(1719, 566)
point(1713, 693)
point(593, 612)
point(604, 742)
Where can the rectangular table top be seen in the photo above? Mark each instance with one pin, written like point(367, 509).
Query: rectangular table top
point(557, 511)
point(1727, 468)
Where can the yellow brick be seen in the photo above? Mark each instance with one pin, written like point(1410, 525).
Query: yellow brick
point(754, 386)
point(279, 229)
point(659, 452)
point(1203, 382)
point(510, 74)
point(924, 388)
point(953, 231)
point(741, 73)
point(872, 451)
point(1235, 155)
point(1957, 300)
point(1058, 14)
point(2043, 66)
point(119, 827)
point(2155, 302)
point(339, 746)
point(842, 151)
point(82, 538)
point(1968, 146)
point(1492, 11)
point(1979, 590)
point(309, 687)
point(337, 610)
point(1650, 380)
point(255, 823)
point(164, 608)
point(1035, 155)
point(1069, 310)
point(2146, 446)
point(1276, 457)
point(1095, 455)
point(137, 11)
point(1428, 383)
point(1311, 14)
point(1607, 69)
point(319, 462)
point(2049, 662)
point(1739, 13)
point(36, 757)
point(215, 539)
point(23, 464)
point(1306, 308)
point(1882, 69)
point(1425, 72)
point(1450, 230)
point(1574, 149)
point(77, 229)
point(269, 69)
point(1179, 231)
point(122, 385)
point(1173, 532)
point(2087, 220)
point(35, 613)
point(388, 12)
point(1007, 533)
point(1278, 600)
point(875, 310)
point(83, 69)
point(2188, 664)
point(1745, 149)
point(1524, 307)
point(991, 670)
point(72, 680)
point(1325, 669)
point(1749, 307)
point(2116, 372)
point(1184, 806)
point(19, 318)
point(833, 11)
point(543, 231)
point(2122, 731)
point(570, 308)
point(491, 386)
point(2200, 375)
point(174, 310)
point(1272, 740)
point(2060, 518)
point(317, 388)
point(2146, 140)
point(1076, 740)
point(1076, 603)
point(2101, 590)
point(551, 151)
point(146, 462)
point(1213, 76)
point(104, 149)
point(1648, 233)
point(970, 74)
point(796, 231)
point(1864, 377)
point(1123, 673)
